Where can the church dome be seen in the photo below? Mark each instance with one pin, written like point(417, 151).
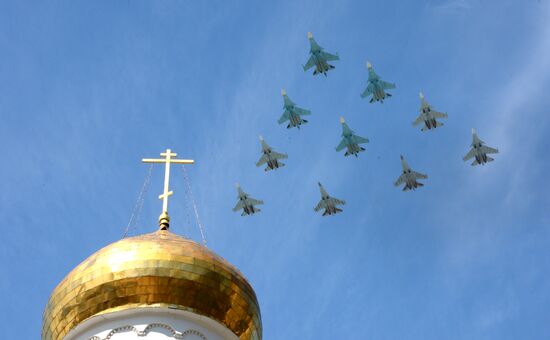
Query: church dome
point(159, 269)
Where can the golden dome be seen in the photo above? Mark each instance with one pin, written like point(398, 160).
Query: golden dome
point(159, 269)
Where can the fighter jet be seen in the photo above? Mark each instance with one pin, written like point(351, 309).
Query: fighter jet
point(409, 177)
point(328, 203)
point(292, 113)
point(318, 58)
point(350, 140)
point(246, 203)
point(270, 157)
point(428, 115)
point(376, 87)
point(479, 151)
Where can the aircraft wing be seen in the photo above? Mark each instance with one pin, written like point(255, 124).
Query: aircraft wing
point(400, 180)
point(253, 201)
point(284, 117)
point(488, 149)
point(320, 205)
point(301, 112)
point(418, 175)
point(418, 120)
point(342, 145)
point(385, 85)
point(368, 91)
point(262, 160)
point(239, 205)
point(470, 154)
point(437, 114)
point(359, 139)
point(310, 63)
point(329, 57)
point(336, 201)
point(277, 155)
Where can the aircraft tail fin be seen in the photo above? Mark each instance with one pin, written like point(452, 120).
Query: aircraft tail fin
point(490, 159)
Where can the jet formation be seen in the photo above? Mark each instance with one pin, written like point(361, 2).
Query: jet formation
point(328, 203)
point(409, 177)
point(376, 89)
point(350, 140)
point(270, 157)
point(428, 115)
point(292, 113)
point(479, 151)
point(246, 203)
point(319, 58)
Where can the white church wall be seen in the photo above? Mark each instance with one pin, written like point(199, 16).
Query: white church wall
point(151, 324)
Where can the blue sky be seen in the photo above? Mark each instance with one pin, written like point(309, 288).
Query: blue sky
point(89, 88)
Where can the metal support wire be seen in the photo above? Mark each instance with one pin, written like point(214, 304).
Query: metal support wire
point(188, 185)
point(136, 212)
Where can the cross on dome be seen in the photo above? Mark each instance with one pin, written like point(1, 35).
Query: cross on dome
point(169, 158)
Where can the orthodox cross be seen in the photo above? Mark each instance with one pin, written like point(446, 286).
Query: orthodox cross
point(169, 158)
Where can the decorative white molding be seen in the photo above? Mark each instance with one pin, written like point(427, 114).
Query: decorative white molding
point(149, 328)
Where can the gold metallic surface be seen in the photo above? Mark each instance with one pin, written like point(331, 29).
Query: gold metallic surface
point(164, 221)
point(159, 269)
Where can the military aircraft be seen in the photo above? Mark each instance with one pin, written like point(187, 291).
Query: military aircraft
point(246, 203)
point(319, 58)
point(328, 203)
point(376, 87)
point(428, 115)
point(292, 113)
point(409, 177)
point(270, 157)
point(350, 140)
point(479, 151)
